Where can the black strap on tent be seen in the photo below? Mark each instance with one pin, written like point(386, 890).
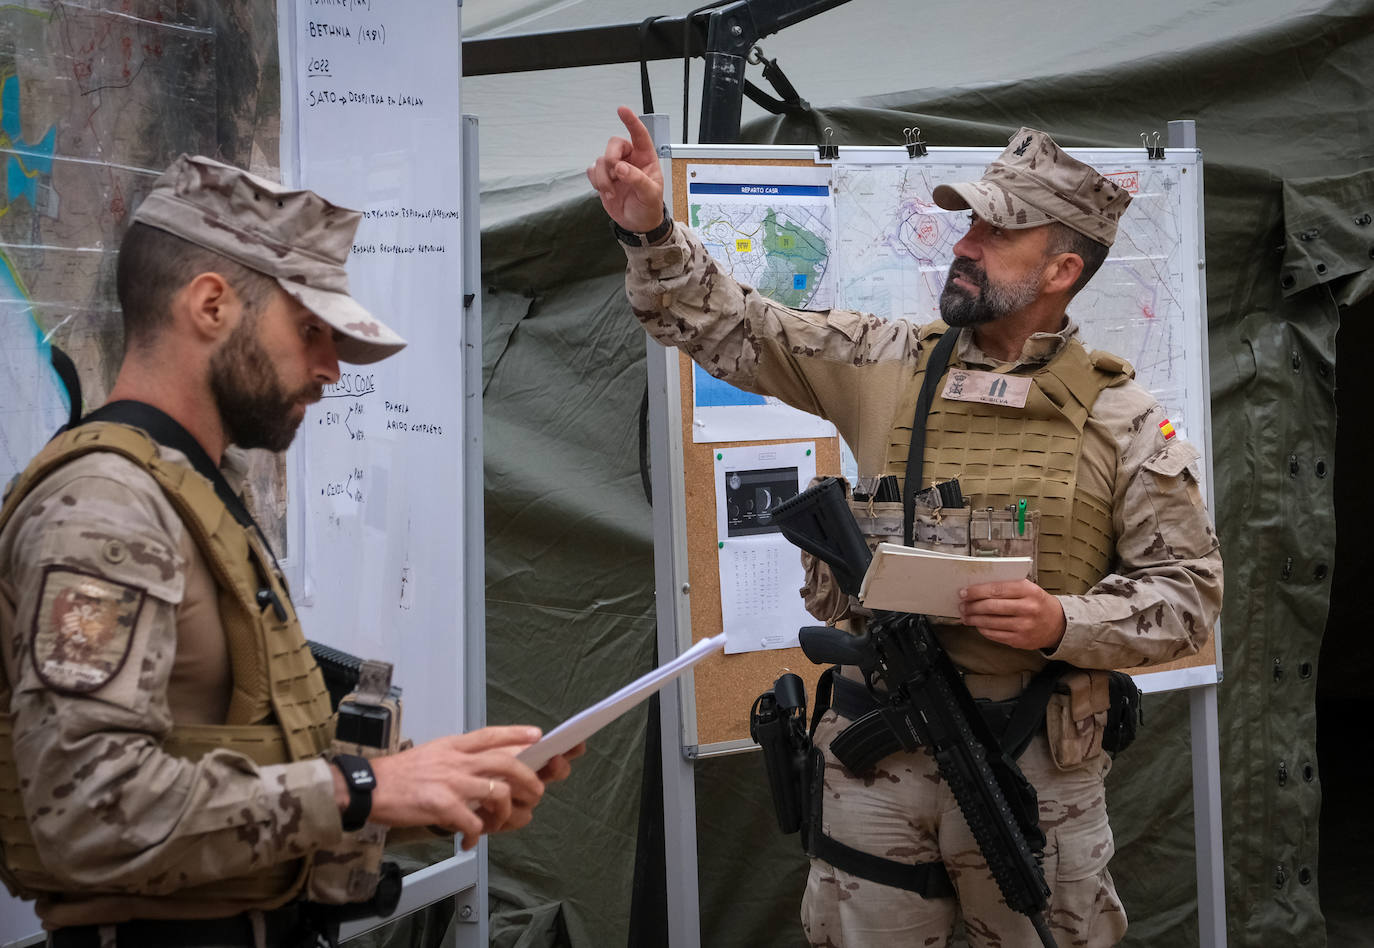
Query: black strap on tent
point(788, 101)
point(935, 370)
point(645, 481)
point(644, 91)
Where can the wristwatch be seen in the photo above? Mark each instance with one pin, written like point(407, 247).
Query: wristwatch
point(632, 238)
point(360, 781)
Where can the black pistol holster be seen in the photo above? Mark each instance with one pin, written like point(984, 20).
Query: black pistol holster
point(777, 723)
point(796, 773)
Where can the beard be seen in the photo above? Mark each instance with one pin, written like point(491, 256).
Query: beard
point(254, 406)
point(959, 307)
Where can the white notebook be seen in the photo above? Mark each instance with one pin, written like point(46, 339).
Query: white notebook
point(908, 579)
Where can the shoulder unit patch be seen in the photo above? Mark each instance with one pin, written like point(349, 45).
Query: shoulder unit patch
point(83, 629)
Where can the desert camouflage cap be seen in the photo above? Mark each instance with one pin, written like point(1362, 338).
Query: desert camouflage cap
point(1033, 182)
point(295, 236)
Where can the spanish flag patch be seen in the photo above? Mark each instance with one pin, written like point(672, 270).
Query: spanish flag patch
point(1167, 429)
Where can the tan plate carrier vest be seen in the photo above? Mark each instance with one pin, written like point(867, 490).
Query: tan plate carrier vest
point(1001, 455)
point(279, 709)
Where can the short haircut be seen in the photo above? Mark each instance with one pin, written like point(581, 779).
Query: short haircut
point(154, 265)
point(1064, 239)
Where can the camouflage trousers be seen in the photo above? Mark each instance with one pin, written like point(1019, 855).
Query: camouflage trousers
point(905, 811)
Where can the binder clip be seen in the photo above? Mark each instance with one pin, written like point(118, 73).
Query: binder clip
point(915, 148)
point(1154, 151)
point(829, 151)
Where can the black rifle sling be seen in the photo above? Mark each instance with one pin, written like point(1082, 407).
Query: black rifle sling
point(935, 370)
point(166, 430)
point(1029, 717)
point(824, 690)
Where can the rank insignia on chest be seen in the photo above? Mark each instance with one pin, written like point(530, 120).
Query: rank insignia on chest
point(991, 388)
point(83, 629)
point(1166, 428)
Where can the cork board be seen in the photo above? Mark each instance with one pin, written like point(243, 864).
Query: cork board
point(726, 685)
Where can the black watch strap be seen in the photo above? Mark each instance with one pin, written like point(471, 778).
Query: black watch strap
point(635, 239)
point(360, 781)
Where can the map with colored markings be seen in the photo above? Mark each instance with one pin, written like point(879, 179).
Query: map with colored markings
point(95, 101)
point(867, 236)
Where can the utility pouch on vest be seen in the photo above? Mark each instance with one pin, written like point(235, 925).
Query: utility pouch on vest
point(1085, 706)
point(777, 723)
point(984, 531)
point(1125, 715)
point(368, 724)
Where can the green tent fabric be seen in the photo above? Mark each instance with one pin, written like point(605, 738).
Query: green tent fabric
point(1287, 131)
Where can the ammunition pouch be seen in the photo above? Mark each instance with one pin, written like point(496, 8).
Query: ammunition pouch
point(1125, 713)
point(1091, 711)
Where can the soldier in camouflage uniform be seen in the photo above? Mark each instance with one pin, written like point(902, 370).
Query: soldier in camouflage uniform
point(166, 775)
point(1129, 566)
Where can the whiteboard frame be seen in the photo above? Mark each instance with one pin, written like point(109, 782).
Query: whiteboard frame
point(465, 874)
point(678, 717)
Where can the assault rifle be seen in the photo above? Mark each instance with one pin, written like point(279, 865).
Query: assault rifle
point(925, 702)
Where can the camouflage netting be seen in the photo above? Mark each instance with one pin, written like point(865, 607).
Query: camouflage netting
point(1284, 121)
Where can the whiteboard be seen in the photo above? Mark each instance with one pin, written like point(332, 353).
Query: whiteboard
point(376, 479)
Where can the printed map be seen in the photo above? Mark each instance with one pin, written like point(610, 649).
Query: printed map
point(783, 250)
point(895, 246)
point(95, 100)
point(885, 248)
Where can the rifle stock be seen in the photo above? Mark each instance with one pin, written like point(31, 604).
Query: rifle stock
point(819, 521)
point(827, 645)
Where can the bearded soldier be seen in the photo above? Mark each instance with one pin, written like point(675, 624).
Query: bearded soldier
point(166, 772)
point(1127, 567)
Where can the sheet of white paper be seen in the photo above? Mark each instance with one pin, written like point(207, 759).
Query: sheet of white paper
point(760, 572)
point(584, 724)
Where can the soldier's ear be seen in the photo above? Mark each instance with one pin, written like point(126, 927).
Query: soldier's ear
point(1062, 272)
point(208, 307)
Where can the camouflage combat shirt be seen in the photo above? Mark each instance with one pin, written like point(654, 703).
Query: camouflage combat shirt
point(1164, 595)
point(108, 808)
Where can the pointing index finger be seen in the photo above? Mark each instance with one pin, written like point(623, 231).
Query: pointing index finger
point(639, 135)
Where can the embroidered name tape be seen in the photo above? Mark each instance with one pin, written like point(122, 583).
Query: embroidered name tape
point(991, 388)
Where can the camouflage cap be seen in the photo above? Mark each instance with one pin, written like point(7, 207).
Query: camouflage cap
point(1033, 182)
point(295, 236)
